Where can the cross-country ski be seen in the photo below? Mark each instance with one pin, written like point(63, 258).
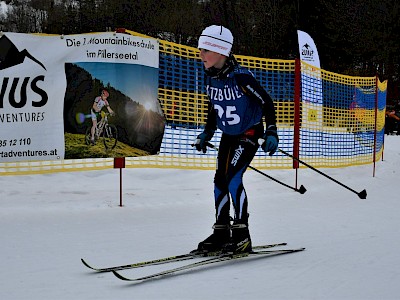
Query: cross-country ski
point(168, 259)
point(210, 261)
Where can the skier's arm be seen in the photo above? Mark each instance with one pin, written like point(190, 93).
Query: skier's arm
point(252, 88)
point(211, 122)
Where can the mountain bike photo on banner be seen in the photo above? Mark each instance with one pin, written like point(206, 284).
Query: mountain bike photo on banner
point(111, 109)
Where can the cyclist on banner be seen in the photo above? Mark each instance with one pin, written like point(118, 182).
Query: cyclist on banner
point(99, 103)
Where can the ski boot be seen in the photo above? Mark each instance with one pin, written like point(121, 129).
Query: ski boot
point(216, 241)
point(241, 241)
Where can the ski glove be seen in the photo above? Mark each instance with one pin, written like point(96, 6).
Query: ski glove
point(202, 139)
point(271, 140)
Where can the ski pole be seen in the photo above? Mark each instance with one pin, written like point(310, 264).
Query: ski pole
point(361, 195)
point(300, 190)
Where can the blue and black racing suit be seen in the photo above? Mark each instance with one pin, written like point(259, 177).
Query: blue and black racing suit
point(237, 105)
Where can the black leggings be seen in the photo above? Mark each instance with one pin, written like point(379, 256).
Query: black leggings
point(234, 156)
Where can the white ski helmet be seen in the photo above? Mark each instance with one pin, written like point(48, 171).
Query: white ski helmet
point(216, 38)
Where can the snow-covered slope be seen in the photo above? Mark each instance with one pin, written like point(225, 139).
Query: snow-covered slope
point(49, 222)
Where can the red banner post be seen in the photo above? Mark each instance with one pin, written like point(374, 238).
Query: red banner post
point(119, 163)
point(375, 122)
point(297, 112)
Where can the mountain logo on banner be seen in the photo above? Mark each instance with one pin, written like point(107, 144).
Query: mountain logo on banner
point(10, 56)
point(307, 53)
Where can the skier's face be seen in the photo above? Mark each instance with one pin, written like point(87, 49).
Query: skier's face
point(212, 59)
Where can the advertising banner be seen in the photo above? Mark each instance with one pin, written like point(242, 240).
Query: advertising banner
point(308, 50)
point(78, 96)
point(311, 82)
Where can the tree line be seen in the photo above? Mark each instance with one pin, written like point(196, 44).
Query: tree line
point(358, 37)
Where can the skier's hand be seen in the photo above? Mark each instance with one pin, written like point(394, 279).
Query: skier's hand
point(270, 140)
point(201, 141)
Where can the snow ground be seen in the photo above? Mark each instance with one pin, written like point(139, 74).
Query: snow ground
point(49, 222)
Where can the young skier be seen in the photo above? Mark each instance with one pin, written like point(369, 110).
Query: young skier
point(237, 105)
